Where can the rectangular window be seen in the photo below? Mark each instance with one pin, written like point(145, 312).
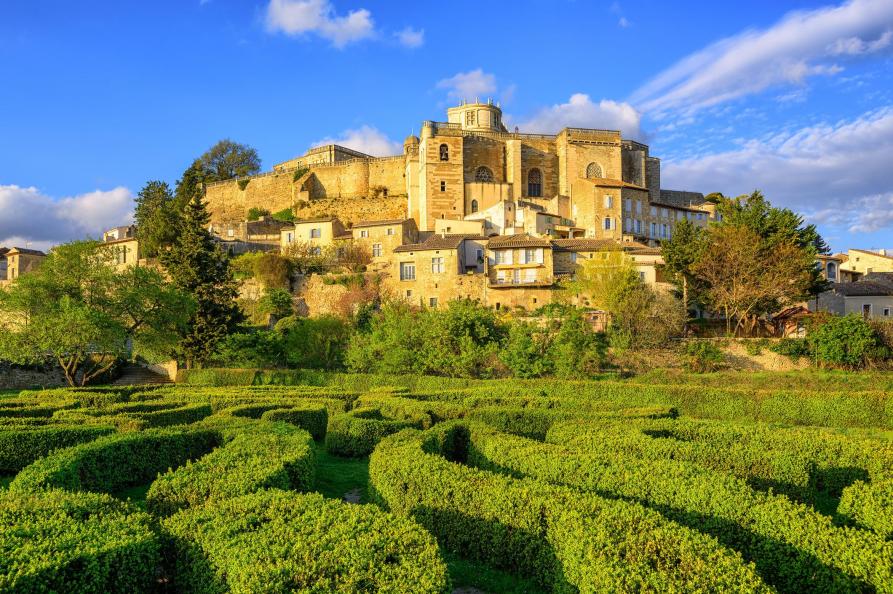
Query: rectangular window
point(638, 207)
point(289, 237)
point(432, 302)
point(500, 277)
point(376, 250)
point(886, 312)
point(407, 271)
point(629, 204)
point(480, 256)
point(530, 275)
point(642, 276)
point(652, 230)
point(390, 231)
point(866, 311)
point(315, 233)
point(443, 186)
point(230, 232)
point(639, 226)
point(573, 257)
point(664, 213)
point(436, 265)
point(529, 256)
point(654, 211)
point(607, 223)
point(609, 202)
point(364, 233)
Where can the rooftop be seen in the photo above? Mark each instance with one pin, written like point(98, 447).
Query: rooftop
point(379, 223)
point(517, 240)
point(605, 182)
point(875, 284)
point(437, 242)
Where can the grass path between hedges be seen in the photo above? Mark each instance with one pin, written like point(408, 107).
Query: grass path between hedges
point(337, 476)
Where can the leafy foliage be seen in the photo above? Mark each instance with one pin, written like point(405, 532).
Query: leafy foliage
point(848, 342)
point(156, 218)
point(255, 213)
point(703, 356)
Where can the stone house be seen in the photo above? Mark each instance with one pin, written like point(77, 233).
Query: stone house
point(262, 235)
point(871, 297)
point(125, 252)
point(318, 233)
point(381, 238)
point(437, 270)
point(17, 261)
point(862, 262)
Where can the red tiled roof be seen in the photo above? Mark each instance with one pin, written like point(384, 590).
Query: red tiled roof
point(379, 223)
point(517, 240)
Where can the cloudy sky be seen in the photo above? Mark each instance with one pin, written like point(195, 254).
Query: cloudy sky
point(794, 98)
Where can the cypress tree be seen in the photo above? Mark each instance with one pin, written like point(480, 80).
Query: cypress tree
point(199, 268)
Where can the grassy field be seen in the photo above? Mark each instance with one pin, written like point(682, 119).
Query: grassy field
point(737, 482)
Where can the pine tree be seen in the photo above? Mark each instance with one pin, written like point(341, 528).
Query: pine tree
point(156, 218)
point(199, 268)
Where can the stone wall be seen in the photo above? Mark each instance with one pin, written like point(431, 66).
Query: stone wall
point(20, 378)
point(540, 155)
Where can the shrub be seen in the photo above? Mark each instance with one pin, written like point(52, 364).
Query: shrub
point(703, 356)
point(255, 212)
point(795, 348)
point(564, 538)
point(286, 215)
point(764, 528)
point(55, 541)
point(274, 541)
point(312, 418)
point(21, 447)
point(261, 456)
point(314, 343)
point(112, 463)
point(358, 432)
point(870, 505)
point(847, 342)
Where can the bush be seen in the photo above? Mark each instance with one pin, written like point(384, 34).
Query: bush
point(314, 343)
point(795, 348)
point(55, 541)
point(847, 342)
point(312, 418)
point(261, 456)
point(112, 463)
point(564, 538)
point(21, 447)
point(703, 357)
point(765, 528)
point(274, 541)
point(286, 215)
point(870, 505)
point(255, 212)
point(358, 432)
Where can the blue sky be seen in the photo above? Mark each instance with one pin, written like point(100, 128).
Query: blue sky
point(794, 98)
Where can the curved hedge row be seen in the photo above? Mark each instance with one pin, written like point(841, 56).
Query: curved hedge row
point(788, 471)
point(358, 432)
point(309, 415)
point(274, 541)
point(22, 446)
point(870, 505)
point(786, 540)
point(268, 455)
point(54, 541)
point(564, 538)
point(112, 463)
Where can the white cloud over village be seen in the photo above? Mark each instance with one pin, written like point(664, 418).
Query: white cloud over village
point(300, 17)
point(366, 139)
point(837, 174)
point(802, 45)
point(581, 111)
point(410, 37)
point(33, 218)
point(471, 85)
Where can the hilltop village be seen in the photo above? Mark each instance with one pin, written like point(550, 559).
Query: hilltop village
point(472, 209)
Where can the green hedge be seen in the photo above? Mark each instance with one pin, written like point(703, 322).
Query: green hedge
point(274, 541)
point(263, 456)
point(118, 461)
point(789, 471)
point(785, 540)
point(567, 539)
point(358, 432)
point(313, 418)
point(870, 505)
point(56, 541)
point(22, 446)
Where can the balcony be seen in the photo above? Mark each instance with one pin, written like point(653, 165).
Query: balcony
point(507, 283)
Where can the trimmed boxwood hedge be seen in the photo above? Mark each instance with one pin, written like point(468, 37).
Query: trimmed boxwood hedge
point(118, 461)
point(358, 432)
point(568, 540)
point(785, 540)
point(55, 541)
point(276, 541)
point(262, 456)
point(311, 417)
point(870, 505)
point(22, 446)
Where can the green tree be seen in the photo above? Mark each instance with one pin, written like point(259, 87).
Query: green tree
point(848, 342)
point(680, 253)
point(156, 218)
point(603, 279)
point(526, 350)
point(200, 269)
point(80, 311)
point(255, 213)
point(225, 160)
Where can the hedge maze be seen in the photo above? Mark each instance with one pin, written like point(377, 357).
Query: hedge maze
point(599, 487)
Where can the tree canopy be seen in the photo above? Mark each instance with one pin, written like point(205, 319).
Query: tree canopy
point(156, 218)
point(83, 313)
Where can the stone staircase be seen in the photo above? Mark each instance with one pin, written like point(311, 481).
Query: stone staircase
point(136, 375)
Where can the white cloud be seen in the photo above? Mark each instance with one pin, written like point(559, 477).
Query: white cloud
point(411, 38)
point(299, 17)
point(838, 173)
point(623, 22)
point(366, 139)
point(581, 111)
point(469, 85)
point(801, 45)
point(32, 217)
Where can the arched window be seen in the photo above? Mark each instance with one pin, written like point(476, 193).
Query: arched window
point(832, 271)
point(594, 170)
point(483, 174)
point(444, 152)
point(474, 206)
point(534, 183)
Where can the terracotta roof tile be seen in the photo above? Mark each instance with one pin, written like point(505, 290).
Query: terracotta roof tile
point(517, 240)
point(379, 223)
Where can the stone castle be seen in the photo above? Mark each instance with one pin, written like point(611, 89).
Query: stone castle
point(592, 182)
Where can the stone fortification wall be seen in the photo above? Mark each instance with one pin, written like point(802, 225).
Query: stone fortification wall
point(341, 190)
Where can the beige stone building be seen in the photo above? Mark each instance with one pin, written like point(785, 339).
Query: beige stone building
point(870, 297)
point(381, 238)
point(16, 261)
point(317, 233)
point(439, 269)
point(862, 262)
point(586, 182)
